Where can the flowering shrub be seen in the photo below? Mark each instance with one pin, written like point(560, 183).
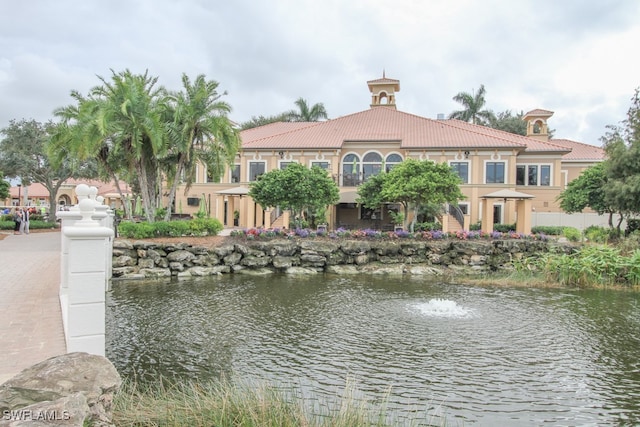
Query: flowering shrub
point(342, 233)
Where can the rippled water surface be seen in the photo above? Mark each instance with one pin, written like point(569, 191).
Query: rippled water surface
point(484, 356)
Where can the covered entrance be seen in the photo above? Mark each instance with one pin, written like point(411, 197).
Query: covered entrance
point(523, 210)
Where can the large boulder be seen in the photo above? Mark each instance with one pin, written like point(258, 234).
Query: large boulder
point(64, 390)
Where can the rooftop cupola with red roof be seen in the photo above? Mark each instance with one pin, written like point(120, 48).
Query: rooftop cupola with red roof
point(383, 91)
point(537, 124)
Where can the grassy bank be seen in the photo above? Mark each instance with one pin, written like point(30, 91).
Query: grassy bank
point(592, 266)
point(224, 404)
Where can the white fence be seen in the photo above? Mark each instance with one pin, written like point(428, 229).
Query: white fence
point(577, 220)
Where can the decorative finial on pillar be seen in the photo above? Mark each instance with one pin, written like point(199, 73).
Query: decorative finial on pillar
point(93, 192)
point(87, 209)
point(383, 74)
point(82, 191)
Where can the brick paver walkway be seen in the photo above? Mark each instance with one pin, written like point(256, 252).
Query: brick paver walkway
point(30, 317)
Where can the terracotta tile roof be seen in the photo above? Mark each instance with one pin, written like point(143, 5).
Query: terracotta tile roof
point(490, 135)
point(272, 129)
point(40, 191)
point(387, 124)
point(383, 80)
point(580, 151)
point(33, 190)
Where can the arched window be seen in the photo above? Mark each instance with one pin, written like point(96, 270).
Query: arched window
point(371, 165)
point(391, 161)
point(350, 170)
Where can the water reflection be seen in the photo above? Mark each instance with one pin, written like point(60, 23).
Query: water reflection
point(485, 356)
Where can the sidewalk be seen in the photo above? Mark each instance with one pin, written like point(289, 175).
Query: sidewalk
point(30, 317)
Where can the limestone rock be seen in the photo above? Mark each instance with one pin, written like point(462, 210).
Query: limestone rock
point(180, 256)
point(63, 383)
point(343, 269)
point(300, 270)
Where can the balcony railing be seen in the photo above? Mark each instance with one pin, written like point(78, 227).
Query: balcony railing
point(352, 179)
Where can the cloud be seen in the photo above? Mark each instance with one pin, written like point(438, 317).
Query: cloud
point(569, 57)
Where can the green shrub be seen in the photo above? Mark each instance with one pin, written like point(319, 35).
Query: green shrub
point(630, 243)
point(33, 225)
point(136, 230)
point(428, 226)
point(145, 230)
point(504, 228)
point(549, 230)
point(632, 225)
point(210, 226)
point(572, 234)
point(597, 234)
point(475, 227)
point(179, 228)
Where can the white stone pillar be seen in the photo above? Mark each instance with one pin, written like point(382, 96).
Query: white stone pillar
point(67, 219)
point(104, 216)
point(89, 245)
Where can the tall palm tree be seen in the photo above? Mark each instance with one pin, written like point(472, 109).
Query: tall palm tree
point(200, 132)
point(78, 136)
point(473, 104)
point(306, 114)
point(122, 120)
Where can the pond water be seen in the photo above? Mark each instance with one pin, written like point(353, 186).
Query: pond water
point(472, 355)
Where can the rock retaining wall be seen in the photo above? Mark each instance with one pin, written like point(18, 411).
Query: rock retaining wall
point(145, 260)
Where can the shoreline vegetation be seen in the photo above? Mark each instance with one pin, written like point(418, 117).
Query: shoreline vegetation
point(222, 403)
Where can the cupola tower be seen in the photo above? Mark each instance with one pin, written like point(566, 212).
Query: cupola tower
point(383, 91)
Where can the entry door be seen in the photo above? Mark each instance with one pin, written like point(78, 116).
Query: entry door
point(497, 214)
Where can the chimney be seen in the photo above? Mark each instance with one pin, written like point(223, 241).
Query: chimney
point(440, 116)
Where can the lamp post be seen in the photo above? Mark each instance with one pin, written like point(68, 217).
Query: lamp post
point(19, 188)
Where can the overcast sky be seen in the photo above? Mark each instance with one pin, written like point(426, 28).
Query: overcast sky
point(577, 58)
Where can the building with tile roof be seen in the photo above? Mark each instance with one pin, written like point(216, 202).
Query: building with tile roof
point(356, 146)
point(37, 195)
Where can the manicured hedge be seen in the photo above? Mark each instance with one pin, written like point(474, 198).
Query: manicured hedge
point(8, 224)
point(194, 227)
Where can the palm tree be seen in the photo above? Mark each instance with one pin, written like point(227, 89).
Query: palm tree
point(200, 132)
point(78, 136)
point(473, 112)
point(306, 114)
point(121, 121)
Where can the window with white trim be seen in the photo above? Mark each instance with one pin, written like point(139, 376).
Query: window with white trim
point(256, 169)
point(391, 161)
point(235, 173)
point(321, 165)
point(494, 173)
point(462, 169)
point(533, 175)
point(371, 165)
point(351, 170)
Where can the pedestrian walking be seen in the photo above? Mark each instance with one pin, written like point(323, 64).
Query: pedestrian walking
point(17, 219)
point(24, 225)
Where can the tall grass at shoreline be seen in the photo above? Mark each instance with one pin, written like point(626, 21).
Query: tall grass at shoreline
point(592, 266)
point(220, 403)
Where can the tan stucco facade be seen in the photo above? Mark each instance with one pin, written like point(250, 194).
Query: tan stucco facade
point(353, 147)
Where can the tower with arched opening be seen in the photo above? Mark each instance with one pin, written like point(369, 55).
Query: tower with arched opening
point(383, 91)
